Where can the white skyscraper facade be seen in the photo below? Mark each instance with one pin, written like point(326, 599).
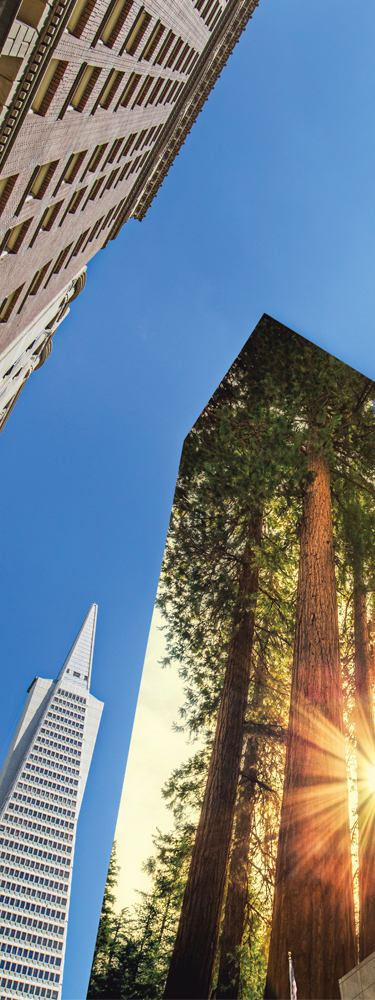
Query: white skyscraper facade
point(41, 788)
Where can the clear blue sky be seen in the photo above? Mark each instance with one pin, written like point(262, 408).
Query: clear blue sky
point(268, 208)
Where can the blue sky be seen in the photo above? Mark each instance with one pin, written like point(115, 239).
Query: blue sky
point(268, 208)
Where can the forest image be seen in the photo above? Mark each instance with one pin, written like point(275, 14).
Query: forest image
point(267, 592)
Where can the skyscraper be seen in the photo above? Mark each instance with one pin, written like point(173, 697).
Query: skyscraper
point(96, 99)
point(41, 788)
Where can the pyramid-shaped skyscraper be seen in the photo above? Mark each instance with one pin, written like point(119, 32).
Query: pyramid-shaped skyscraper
point(41, 788)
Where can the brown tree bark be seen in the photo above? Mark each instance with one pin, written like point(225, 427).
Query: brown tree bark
point(365, 762)
point(313, 913)
point(191, 969)
point(237, 892)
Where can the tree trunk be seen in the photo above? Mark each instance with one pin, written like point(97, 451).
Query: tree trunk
point(237, 893)
point(365, 763)
point(191, 969)
point(313, 913)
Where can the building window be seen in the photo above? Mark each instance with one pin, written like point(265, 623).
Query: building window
point(128, 144)
point(182, 57)
point(6, 188)
point(128, 92)
point(138, 143)
point(81, 13)
point(41, 181)
point(49, 85)
point(174, 53)
point(136, 32)
point(85, 87)
point(122, 176)
point(93, 235)
point(214, 16)
point(110, 88)
point(72, 167)
point(50, 215)
point(115, 22)
point(164, 48)
point(193, 55)
point(76, 199)
point(8, 304)
point(111, 180)
point(155, 90)
point(113, 151)
point(36, 283)
point(78, 245)
point(153, 41)
point(142, 93)
point(94, 190)
point(60, 261)
point(96, 156)
point(14, 237)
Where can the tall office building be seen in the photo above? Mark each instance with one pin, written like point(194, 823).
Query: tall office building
point(97, 98)
point(41, 788)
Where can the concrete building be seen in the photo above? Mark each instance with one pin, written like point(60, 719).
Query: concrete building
point(97, 98)
point(359, 984)
point(41, 788)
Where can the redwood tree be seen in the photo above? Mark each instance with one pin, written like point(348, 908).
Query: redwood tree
point(191, 968)
point(313, 914)
point(237, 892)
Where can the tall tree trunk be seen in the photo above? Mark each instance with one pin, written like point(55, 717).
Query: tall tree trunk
point(191, 969)
point(237, 893)
point(313, 913)
point(365, 761)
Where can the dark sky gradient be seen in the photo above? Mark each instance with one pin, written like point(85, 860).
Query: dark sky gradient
point(268, 208)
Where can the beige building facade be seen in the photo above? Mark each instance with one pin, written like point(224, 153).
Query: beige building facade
point(96, 98)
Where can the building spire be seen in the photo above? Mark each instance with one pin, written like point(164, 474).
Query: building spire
point(77, 666)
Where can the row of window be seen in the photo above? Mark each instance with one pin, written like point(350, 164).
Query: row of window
point(37, 879)
point(9, 302)
point(15, 949)
point(13, 238)
point(53, 763)
point(34, 894)
point(157, 89)
point(25, 810)
point(62, 740)
point(42, 175)
point(27, 862)
point(174, 53)
point(18, 986)
point(46, 795)
point(48, 731)
point(32, 918)
point(25, 970)
point(35, 780)
point(59, 705)
point(38, 852)
point(36, 956)
point(34, 908)
point(19, 934)
point(39, 829)
point(54, 758)
point(71, 696)
point(65, 777)
point(210, 11)
point(56, 746)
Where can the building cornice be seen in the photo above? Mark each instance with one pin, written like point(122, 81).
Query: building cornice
point(203, 78)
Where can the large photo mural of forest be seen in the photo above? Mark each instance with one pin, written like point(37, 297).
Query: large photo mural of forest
point(267, 591)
